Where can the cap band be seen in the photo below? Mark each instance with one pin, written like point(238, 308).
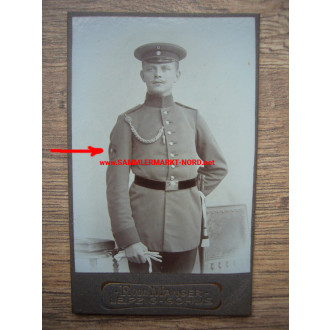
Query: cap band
point(159, 56)
point(160, 52)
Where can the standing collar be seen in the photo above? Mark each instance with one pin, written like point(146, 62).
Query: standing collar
point(159, 102)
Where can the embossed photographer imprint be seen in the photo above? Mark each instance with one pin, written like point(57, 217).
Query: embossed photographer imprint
point(192, 296)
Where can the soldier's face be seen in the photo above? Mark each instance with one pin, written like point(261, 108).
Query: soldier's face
point(160, 77)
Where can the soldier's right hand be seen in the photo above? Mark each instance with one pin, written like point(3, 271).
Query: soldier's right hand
point(135, 253)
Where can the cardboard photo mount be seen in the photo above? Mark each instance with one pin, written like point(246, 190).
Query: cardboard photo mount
point(218, 287)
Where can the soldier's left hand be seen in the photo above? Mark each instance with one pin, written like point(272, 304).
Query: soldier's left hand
point(136, 253)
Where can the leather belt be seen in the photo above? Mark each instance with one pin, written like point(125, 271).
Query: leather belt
point(169, 185)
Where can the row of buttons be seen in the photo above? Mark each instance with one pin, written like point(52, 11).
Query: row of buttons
point(171, 143)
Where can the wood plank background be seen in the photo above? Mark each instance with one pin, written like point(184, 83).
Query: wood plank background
point(270, 271)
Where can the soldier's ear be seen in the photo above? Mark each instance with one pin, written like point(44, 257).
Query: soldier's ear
point(142, 75)
point(178, 74)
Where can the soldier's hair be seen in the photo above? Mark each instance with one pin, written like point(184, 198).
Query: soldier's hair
point(176, 64)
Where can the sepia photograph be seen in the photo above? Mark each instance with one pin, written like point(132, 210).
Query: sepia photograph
point(167, 105)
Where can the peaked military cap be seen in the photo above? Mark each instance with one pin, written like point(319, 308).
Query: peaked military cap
point(160, 53)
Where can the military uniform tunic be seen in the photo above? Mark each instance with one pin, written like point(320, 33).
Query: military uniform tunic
point(165, 221)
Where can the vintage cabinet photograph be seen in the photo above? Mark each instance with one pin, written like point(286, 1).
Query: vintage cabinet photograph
point(162, 202)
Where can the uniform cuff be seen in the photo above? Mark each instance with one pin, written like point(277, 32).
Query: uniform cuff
point(127, 237)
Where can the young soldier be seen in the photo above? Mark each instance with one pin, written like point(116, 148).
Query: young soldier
point(162, 210)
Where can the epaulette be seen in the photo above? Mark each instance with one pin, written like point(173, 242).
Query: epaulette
point(133, 109)
point(185, 106)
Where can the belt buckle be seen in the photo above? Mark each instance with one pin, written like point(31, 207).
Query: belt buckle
point(172, 185)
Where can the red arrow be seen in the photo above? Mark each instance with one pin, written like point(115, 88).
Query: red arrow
point(93, 151)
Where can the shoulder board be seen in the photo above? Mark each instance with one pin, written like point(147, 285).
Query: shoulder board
point(133, 109)
point(184, 106)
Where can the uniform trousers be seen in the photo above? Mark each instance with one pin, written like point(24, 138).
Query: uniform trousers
point(172, 262)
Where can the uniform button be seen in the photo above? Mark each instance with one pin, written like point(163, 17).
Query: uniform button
point(169, 132)
point(167, 122)
point(172, 155)
point(165, 112)
point(173, 166)
point(171, 143)
point(172, 177)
